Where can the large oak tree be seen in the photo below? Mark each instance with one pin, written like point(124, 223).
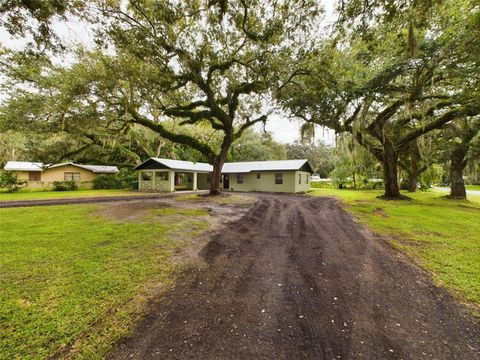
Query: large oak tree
point(390, 86)
point(207, 65)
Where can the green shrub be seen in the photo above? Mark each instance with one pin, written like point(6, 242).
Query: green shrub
point(430, 177)
point(65, 186)
point(321, 185)
point(11, 182)
point(340, 176)
point(106, 181)
point(122, 180)
point(365, 183)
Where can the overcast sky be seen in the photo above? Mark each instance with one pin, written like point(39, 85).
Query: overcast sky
point(284, 130)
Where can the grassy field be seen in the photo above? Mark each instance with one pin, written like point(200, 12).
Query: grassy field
point(40, 195)
point(442, 235)
point(74, 280)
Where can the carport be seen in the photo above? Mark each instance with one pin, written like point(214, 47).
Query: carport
point(173, 175)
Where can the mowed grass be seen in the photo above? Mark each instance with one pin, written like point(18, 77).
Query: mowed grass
point(40, 195)
point(442, 235)
point(72, 281)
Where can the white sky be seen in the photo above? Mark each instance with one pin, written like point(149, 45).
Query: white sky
point(283, 129)
point(286, 130)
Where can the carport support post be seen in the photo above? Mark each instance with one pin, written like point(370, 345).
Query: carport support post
point(171, 177)
point(194, 181)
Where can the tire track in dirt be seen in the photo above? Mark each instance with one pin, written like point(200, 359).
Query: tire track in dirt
point(296, 278)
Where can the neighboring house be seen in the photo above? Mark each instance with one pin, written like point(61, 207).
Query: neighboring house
point(39, 175)
point(273, 176)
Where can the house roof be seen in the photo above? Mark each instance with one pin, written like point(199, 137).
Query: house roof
point(37, 166)
point(23, 166)
point(231, 167)
point(103, 169)
point(177, 165)
point(274, 165)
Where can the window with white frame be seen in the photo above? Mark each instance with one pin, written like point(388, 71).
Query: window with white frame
point(71, 176)
point(299, 179)
point(259, 176)
point(279, 178)
point(239, 178)
point(306, 178)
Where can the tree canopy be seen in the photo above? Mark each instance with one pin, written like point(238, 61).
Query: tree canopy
point(400, 81)
point(191, 79)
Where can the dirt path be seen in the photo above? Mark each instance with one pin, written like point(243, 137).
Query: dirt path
point(87, 200)
point(297, 279)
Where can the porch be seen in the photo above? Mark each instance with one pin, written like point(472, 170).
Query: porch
point(171, 180)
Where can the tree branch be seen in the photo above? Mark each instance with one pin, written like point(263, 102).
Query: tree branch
point(249, 123)
point(470, 109)
point(177, 138)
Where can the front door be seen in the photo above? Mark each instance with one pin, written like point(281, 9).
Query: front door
point(226, 181)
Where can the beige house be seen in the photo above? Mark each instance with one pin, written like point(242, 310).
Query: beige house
point(271, 176)
point(40, 176)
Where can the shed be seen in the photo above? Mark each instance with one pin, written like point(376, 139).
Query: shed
point(173, 175)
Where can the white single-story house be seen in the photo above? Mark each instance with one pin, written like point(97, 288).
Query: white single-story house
point(272, 176)
point(40, 175)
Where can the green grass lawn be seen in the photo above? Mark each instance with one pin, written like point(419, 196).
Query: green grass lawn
point(40, 195)
point(442, 235)
point(74, 280)
point(473, 187)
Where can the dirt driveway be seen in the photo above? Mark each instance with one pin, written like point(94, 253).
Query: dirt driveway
point(296, 278)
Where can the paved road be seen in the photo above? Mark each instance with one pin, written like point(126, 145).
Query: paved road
point(296, 278)
point(447, 189)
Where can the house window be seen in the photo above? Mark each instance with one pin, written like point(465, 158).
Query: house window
point(306, 179)
point(34, 176)
point(299, 179)
point(279, 178)
point(209, 179)
point(258, 175)
point(71, 176)
point(239, 178)
point(162, 175)
point(146, 175)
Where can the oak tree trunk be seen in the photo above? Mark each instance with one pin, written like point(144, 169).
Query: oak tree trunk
point(412, 181)
point(411, 167)
point(457, 165)
point(218, 164)
point(457, 187)
point(216, 177)
point(390, 171)
point(458, 162)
